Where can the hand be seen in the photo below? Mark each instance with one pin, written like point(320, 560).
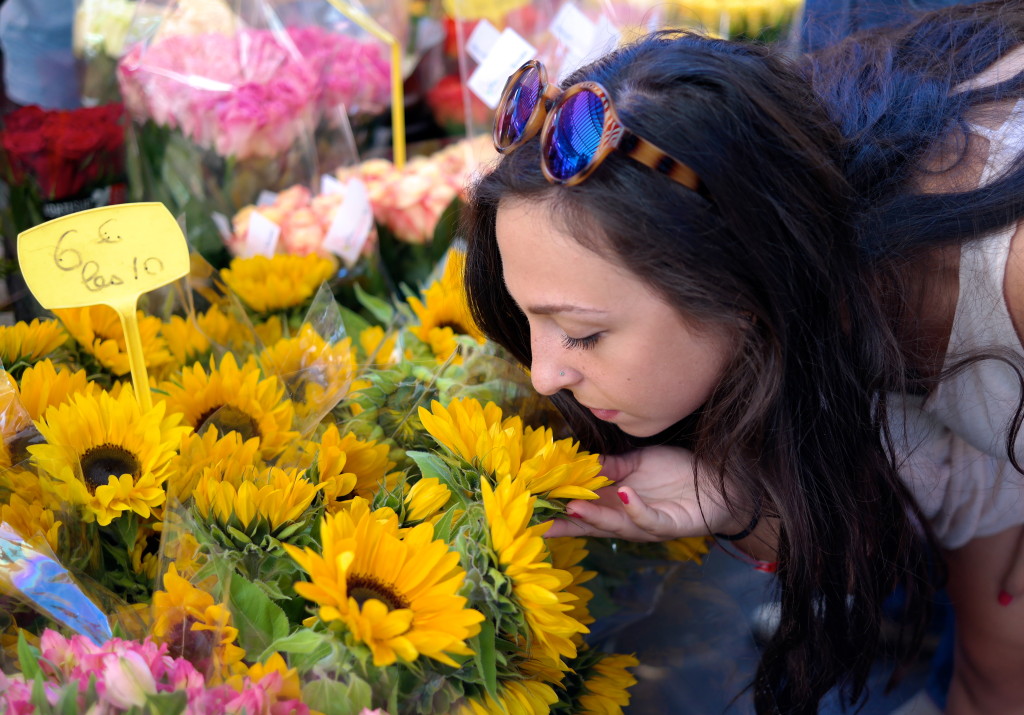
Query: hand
point(654, 499)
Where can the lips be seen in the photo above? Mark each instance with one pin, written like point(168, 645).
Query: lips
point(605, 415)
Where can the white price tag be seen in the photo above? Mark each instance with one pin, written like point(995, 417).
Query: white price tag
point(429, 32)
point(606, 38)
point(603, 38)
point(261, 239)
point(266, 198)
point(352, 223)
point(508, 54)
point(481, 40)
point(573, 29)
point(222, 224)
point(330, 185)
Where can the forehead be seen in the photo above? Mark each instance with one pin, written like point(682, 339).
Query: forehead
point(540, 258)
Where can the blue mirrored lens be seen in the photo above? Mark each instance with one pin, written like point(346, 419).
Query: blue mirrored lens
point(575, 135)
point(516, 111)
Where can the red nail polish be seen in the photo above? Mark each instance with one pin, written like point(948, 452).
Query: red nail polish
point(1005, 599)
point(623, 497)
point(573, 514)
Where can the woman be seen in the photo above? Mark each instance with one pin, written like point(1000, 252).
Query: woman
point(780, 302)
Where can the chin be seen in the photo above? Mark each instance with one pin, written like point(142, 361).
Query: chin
point(641, 430)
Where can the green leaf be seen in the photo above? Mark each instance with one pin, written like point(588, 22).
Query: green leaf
point(443, 527)
point(377, 307)
point(354, 323)
point(485, 659)
point(68, 702)
point(167, 703)
point(332, 697)
point(38, 699)
point(301, 641)
point(259, 620)
point(431, 465)
point(28, 658)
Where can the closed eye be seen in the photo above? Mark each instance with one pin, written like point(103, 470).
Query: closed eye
point(571, 343)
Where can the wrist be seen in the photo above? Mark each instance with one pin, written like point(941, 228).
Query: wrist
point(746, 531)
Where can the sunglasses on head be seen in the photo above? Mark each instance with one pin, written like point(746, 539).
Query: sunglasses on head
point(578, 129)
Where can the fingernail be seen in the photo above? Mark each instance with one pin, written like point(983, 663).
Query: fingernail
point(573, 514)
point(1005, 599)
point(624, 497)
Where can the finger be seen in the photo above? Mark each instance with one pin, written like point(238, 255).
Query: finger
point(655, 522)
point(607, 520)
point(1013, 581)
point(570, 526)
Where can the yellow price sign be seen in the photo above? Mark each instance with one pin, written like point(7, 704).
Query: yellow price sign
point(110, 256)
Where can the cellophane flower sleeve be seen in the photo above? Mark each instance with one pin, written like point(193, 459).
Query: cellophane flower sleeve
point(223, 106)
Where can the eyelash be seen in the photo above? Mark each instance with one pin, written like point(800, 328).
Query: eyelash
point(586, 343)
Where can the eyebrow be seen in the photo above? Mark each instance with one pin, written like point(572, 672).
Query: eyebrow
point(563, 308)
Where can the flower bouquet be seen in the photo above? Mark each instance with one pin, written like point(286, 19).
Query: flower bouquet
point(99, 34)
point(221, 111)
point(416, 207)
point(319, 512)
point(353, 71)
point(56, 162)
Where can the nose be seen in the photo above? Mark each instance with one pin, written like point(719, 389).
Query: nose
point(548, 372)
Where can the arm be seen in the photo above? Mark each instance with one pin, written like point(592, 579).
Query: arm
point(989, 635)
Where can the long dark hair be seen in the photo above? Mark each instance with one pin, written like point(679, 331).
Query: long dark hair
point(784, 228)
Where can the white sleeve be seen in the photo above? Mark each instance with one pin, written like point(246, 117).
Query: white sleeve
point(964, 492)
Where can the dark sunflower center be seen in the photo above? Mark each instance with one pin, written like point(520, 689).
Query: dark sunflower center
point(297, 381)
point(456, 327)
point(194, 646)
point(19, 443)
point(228, 418)
point(363, 588)
point(99, 463)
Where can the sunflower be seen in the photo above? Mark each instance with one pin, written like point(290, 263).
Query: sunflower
point(540, 589)
point(288, 687)
point(251, 500)
point(185, 341)
point(396, 594)
point(233, 398)
point(30, 519)
point(206, 449)
point(28, 342)
point(378, 347)
point(98, 330)
point(190, 338)
point(567, 553)
point(606, 685)
point(442, 314)
point(106, 455)
point(444, 311)
point(348, 465)
point(317, 374)
point(194, 627)
point(280, 282)
point(45, 385)
point(426, 498)
point(501, 447)
point(687, 548)
point(144, 553)
point(516, 697)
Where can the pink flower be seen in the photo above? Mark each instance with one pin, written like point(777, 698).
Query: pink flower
point(128, 679)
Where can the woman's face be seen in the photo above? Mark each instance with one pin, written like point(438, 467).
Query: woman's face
point(601, 333)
